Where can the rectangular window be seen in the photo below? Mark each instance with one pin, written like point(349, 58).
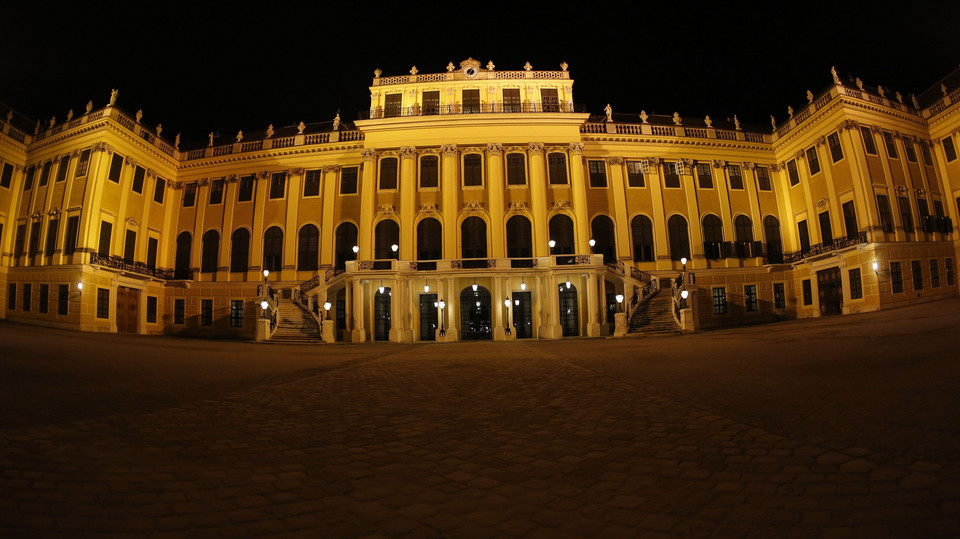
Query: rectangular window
point(813, 161)
point(392, 105)
point(53, 228)
point(826, 231)
point(925, 153)
point(431, 102)
point(151, 309)
point(189, 194)
point(311, 183)
point(278, 182)
point(804, 236)
point(179, 311)
point(45, 173)
point(551, 103)
point(671, 175)
point(896, 277)
point(472, 170)
point(736, 177)
point(763, 179)
point(236, 313)
point(129, 246)
point(807, 292)
point(106, 229)
point(923, 211)
point(890, 145)
point(909, 150)
point(906, 214)
point(635, 174)
point(948, 265)
point(934, 273)
point(70, 239)
point(949, 150)
point(856, 285)
point(836, 151)
point(429, 171)
point(116, 167)
point(12, 297)
point(245, 188)
point(44, 299)
point(103, 303)
point(19, 241)
point(792, 172)
point(886, 218)
point(704, 176)
point(720, 300)
point(138, 175)
point(206, 312)
point(511, 100)
point(158, 190)
point(557, 168)
point(598, 173)
point(750, 297)
point(471, 101)
point(869, 145)
point(850, 219)
point(388, 173)
point(62, 168)
point(34, 239)
point(779, 296)
point(28, 178)
point(917, 267)
point(348, 181)
point(216, 191)
point(27, 296)
point(6, 176)
point(152, 244)
point(63, 299)
point(516, 169)
point(82, 163)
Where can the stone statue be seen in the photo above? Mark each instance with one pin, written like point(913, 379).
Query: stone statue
point(9, 115)
point(608, 110)
point(708, 121)
point(881, 91)
point(239, 136)
point(859, 83)
point(914, 99)
point(676, 119)
point(564, 66)
point(376, 73)
point(836, 79)
point(139, 115)
point(69, 115)
point(450, 67)
point(336, 122)
point(89, 106)
point(269, 132)
point(943, 88)
point(643, 116)
point(736, 123)
point(413, 70)
point(53, 120)
point(300, 127)
point(211, 139)
point(899, 97)
point(527, 66)
point(490, 65)
point(773, 122)
point(176, 142)
point(159, 129)
point(789, 111)
point(113, 96)
point(809, 96)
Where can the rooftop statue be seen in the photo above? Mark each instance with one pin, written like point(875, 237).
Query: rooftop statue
point(564, 66)
point(239, 136)
point(450, 67)
point(789, 111)
point(608, 110)
point(773, 122)
point(490, 65)
point(211, 139)
point(527, 66)
point(914, 99)
point(413, 70)
point(113, 96)
point(89, 106)
point(899, 97)
point(159, 129)
point(708, 121)
point(269, 132)
point(300, 127)
point(881, 91)
point(859, 83)
point(377, 72)
point(139, 115)
point(736, 123)
point(676, 119)
point(176, 142)
point(836, 79)
point(336, 122)
point(643, 116)
point(809, 96)
point(69, 115)
point(53, 120)
point(943, 88)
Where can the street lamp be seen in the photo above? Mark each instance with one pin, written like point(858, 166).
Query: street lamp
point(523, 285)
point(552, 244)
point(326, 307)
point(263, 307)
point(394, 248)
point(443, 331)
point(507, 324)
point(683, 262)
point(426, 287)
point(684, 294)
point(474, 286)
point(619, 302)
point(876, 266)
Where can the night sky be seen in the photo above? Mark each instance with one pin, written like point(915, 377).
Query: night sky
point(198, 69)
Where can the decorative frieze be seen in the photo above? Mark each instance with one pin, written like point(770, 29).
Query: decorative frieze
point(473, 206)
point(536, 148)
point(560, 204)
point(518, 206)
point(386, 209)
point(614, 160)
point(494, 148)
point(408, 152)
point(429, 207)
point(331, 168)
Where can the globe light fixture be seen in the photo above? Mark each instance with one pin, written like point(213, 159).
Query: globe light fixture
point(876, 266)
point(356, 249)
point(523, 285)
point(683, 261)
point(474, 286)
point(381, 287)
point(426, 288)
point(552, 244)
point(79, 286)
point(684, 294)
point(264, 305)
point(506, 302)
point(266, 273)
point(569, 285)
point(592, 242)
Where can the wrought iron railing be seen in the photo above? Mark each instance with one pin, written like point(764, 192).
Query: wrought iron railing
point(826, 247)
point(469, 108)
point(139, 268)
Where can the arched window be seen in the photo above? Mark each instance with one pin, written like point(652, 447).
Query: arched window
point(209, 250)
point(679, 238)
point(273, 249)
point(712, 236)
point(561, 232)
point(239, 250)
point(429, 239)
point(345, 238)
point(743, 235)
point(771, 232)
point(473, 238)
point(386, 235)
point(604, 238)
point(642, 229)
point(519, 237)
point(181, 267)
point(308, 248)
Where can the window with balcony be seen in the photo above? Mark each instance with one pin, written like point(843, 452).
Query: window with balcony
point(826, 230)
point(511, 100)
point(391, 105)
point(471, 101)
point(431, 103)
point(804, 235)
point(850, 219)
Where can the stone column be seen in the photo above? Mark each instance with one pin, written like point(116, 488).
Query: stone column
point(408, 210)
point(358, 334)
point(449, 188)
point(496, 303)
point(661, 242)
point(593, 306)
point(327, 226)
point(256, 235)
point(621, 219)
point(578, 190)
point(538, 201)
point(495, 187)
point(292, 203)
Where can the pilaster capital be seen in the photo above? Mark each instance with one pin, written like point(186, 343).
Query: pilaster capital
point(151, 173)
point(297, 171)
point(130, 161)
point(75, 153)
point(408, 152)
point(799, 156)
point(821, 140)
point(536, 148)
point(203, 182)
point(331, 168)
point(614, 160)
point(368, 154)
point(748, 165)
point(847, 124)
point(494, 148)
point(718, 163)
point(449, 150)
point(576, 148)
point(55, 159)
point(263, 174)
point(232, 178)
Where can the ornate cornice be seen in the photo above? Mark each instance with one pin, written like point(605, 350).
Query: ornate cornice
point(614, 160)
point(330, 168)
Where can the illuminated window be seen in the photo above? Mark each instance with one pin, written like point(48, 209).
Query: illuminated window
point(720, 300)
point(635, 174)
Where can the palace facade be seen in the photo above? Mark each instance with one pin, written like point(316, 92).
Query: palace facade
point(476, 203)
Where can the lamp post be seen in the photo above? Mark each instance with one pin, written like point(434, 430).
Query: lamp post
point(684, 294)
point(507, 322)
point(264, 305)
point(394, 248)
point(443, 330)
point(619, 302)
point(683, 262)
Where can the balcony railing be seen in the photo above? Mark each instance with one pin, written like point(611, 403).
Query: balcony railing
point(465, 108)
point(139, 268)
point(826, 247)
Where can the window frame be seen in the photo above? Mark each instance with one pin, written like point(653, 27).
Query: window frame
point(739, 175)
point(779, 296)
point(243, 191)
point(635, 174)
point(278, 186)
point(896, 277)
point(206, 312)
point(813, 161)
point(516, 173)
point(388, 173)
point(430, 171)
point(751, 302)
point(312, 178)
point(103, 303)
point(355, 174)
point(719, 300)
point(793, 173)
point(763, 178)
point(855, 280)
point(216, 186)
point(836, 146)
point(701, 175)
point(558, 170)
point(890, 145)
point(236, 314)
point(470, 172)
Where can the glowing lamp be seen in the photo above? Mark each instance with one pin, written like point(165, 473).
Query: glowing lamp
point(684, 294)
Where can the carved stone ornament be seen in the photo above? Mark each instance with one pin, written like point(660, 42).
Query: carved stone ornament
point(821, 203)
point(527, 66)
point(875, 129)
point(263, 175)
point(564, 66)
point(75, 153)
point(494, 148)
point(377, 72)
point(560, 205)
point(776, 167)
point(331, 168)
point(536, 148)
point(100, 147)
point(429, 207)
point(130, 161)
point(473, 206)
point(748, 165)
point(368, 154)
point(132, 221)
point(89, 106)
point(518, 206)
point(408, 152)
point(821, 140)
point(688, 162)
point(576, 147)
point(676, 119)
point(203, 182)
point(450, 67)
point(413, 70)
point(920, 191)
point(449, 150)
point(300, 127)
point(718, 163)
point(901, 189)
point(614, 160)
point(151, 173)
point(386, 209)
point(232, 178)
point(37, 216)
point(54, 213)
point(655, 161)
point(298, 171)
point(644, 116)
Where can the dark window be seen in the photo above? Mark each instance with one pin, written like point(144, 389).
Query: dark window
point(151, 309)
point(813, 161)
point(129, 246)
point(807, 292)
point(779, 296)
point(896, 277)
point(750, 297)
point(642, 229)
point(308, 248)
point(736, 176)
point(850, 219)
point(429, 240)
point(216, 191)
point(62, 168)
point(704, 176)
point(348, 181)
point(869, 145)
point(431, 102)
point(189, 194)
point(856, 285)
point(385, 235)
point(720, 300)
point(598, 173)
point(804, 235)
point(511, 100)
point(679, 239)
point(471, 101)
point(604, 236)
point(909, 150)
point(890, 145)
point(392, 105)
point(712, 237)
point(934, 273)
point(236, 313)
point(771, 231)
point(103, 303)
point(925, 152)
point(82, 163)
point(239, 250)
point(152, 245)
point(63, 299)
point(6, 176)
point(311, 183)
point(206, 312)
point(472, 170)
point(635, 174)
point(516, 169)
point(345, 239)
point(519, 237)
point(12, 297)
point(948, 149)
point(551, 103)
point(917, 274)
point(53, 227)
point(557, 168)
point(473, 238)
point(158, 190)
point(245, 188)
point(948, 265)
point(560, 230)
point(106, 229)
point(19, 241)
point(906, 214)
point(179, 311)
point(388, 173)
point(28, 178)
point(70, 239)
point(671, 175)
point(209, 251)
point(923, 211)
point(45, 173)
point(429, 171)
point(181, 264)
point(793, 172)
point(34, 239)
point(886, 219)
point(273, 249)
point(826, 231)
point(836, 151)
point(277, 184)
point(763, 179)
point(116, 166)
point(138, 175)
point(27, 296)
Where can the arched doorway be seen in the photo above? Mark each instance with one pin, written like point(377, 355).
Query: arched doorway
point(569, 310)
point(344, 240)
point(603, 236)
point(743, 235)
point(712, 237)
point(181, 267)
point(679, 239)
point(308, 248)
point(209, 251)
point(561, 233)
point(381, 314)
point(475, 323)
point(385, 236)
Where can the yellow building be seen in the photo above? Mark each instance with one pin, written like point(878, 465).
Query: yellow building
point(476, 203)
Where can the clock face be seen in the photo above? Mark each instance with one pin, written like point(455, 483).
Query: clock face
point(470, 72)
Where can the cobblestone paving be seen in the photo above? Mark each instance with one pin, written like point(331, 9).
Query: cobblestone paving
point(463, 440)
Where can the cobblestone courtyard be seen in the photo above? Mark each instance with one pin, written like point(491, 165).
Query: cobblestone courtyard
point(839, 427)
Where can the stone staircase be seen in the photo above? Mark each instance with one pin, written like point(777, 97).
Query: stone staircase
point(295, 325)
point(654, 316)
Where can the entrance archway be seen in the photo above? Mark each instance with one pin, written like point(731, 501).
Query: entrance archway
point(569, 311)
point(475, 323)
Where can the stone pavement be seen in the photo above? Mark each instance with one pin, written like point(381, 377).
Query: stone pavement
point(843, 427)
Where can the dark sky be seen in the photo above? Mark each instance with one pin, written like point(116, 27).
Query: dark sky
point(199, 68)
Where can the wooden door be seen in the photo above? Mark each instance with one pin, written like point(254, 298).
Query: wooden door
point(128, 310)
